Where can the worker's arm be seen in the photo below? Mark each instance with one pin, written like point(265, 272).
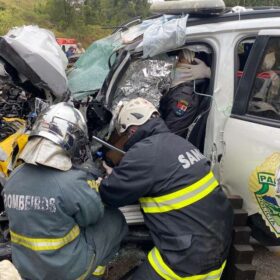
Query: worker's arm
point(132, 179)
point(82, 201)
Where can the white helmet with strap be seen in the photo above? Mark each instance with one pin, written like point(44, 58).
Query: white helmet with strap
point(135, 112)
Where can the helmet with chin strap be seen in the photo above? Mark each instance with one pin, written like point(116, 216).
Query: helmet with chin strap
point(135, 112)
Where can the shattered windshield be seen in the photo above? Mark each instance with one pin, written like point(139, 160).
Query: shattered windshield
point(92, 68)
point(159, 35)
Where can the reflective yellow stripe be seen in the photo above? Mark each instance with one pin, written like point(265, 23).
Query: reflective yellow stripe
point(166, 273)
point(180, 198)
point(99, 271)
point(45, 244)
point(85, 274)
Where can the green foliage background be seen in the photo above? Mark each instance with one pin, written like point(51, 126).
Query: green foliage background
point(88, 22)
point(84, 22)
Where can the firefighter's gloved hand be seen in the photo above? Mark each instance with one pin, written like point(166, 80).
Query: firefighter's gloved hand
point(94, 184)
point(197, 71)
point(107, 168)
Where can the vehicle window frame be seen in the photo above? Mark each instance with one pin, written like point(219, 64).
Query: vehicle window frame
point(245, 86)
point(213, 62)
point(134, 56)
point(236, 57)
point(102, 94)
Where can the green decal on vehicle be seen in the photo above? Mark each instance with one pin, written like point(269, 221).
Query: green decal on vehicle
point(264, 185)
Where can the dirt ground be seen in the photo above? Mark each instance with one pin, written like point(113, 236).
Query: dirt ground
point(267, 264)
point(127, 259)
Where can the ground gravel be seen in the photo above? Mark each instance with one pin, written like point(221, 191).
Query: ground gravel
point(267, 264)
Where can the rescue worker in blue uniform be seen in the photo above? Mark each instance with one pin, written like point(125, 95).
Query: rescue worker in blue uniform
point(58, 225)
point(179, 106)
point(188, 215)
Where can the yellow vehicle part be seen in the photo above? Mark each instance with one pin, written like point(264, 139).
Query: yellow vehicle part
point(12, 146)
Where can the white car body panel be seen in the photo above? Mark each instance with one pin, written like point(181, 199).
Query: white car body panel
point(236, 146)
point(244, 145)
point(220, 35)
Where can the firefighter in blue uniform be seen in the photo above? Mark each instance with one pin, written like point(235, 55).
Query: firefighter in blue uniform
point(179, 106)
point(59, 227)
point(188, 215)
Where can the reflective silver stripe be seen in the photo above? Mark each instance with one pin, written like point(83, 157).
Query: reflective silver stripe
point(181, 198)
point(156, 263)
point(45, 244)
point(166, 273)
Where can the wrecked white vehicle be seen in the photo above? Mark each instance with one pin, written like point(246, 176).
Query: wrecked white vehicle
point(31, 78)
point(238, 123)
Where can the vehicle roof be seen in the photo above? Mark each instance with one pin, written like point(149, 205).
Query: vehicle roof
point(256, 18)
point(251, 21)
point(256, 13)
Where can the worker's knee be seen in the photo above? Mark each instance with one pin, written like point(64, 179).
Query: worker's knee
point(116, 221)
point(109, 231)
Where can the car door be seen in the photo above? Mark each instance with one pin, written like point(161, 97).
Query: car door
point(251, 157)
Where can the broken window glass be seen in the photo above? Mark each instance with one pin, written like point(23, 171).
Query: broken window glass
point(92, 68)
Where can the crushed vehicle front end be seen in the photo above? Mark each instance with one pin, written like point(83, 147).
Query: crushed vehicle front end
point(31, 78)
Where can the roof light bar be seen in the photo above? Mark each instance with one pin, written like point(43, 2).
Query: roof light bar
point(189, 7)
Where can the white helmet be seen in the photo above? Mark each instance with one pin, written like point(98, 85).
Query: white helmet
point(135, 112)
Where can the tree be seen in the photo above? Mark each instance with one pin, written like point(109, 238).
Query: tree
point(114, 12)
point(60, 12)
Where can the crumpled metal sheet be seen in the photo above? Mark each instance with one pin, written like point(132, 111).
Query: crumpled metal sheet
point(147, 78)
point(36, 56)
point(163, 36)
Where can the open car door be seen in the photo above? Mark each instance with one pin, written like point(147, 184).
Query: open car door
point(251, 158)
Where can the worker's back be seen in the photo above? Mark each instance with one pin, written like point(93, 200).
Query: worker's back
point(191, 221)
point(46, 209)
point(189, 216)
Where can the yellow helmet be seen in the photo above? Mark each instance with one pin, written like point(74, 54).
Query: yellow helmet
point(135, 112)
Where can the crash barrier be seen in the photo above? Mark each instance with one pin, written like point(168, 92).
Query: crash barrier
point(239, 263)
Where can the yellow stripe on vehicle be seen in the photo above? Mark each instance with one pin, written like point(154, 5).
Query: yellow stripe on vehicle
point(45, 244)
point(181, 198)
point(167, 273)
